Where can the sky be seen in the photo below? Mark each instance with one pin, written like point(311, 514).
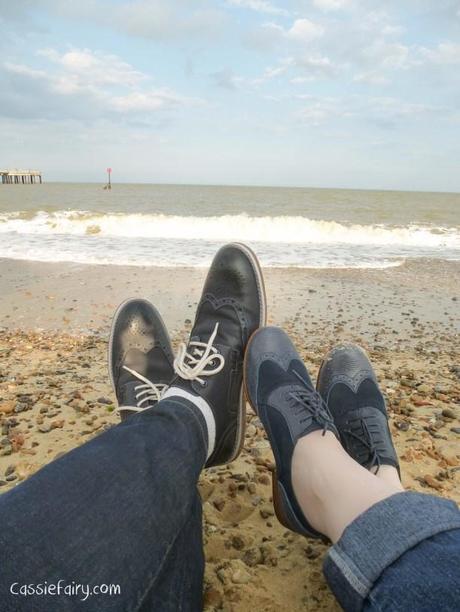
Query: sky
point(319, 93)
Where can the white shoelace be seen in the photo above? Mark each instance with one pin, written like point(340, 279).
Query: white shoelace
point(147, 392)
point(196, 363)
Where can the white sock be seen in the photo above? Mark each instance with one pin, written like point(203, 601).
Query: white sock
point(203, 407)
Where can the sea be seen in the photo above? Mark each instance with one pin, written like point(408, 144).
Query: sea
point(183, 225)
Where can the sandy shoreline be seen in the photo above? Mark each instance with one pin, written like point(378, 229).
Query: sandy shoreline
point(81, 298)
point(55, 394)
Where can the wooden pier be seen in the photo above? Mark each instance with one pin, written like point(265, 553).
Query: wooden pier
point(21, 177)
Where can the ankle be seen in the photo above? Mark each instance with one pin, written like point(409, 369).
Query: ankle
point(310, 475)
point(331, 488)
point(389, 474)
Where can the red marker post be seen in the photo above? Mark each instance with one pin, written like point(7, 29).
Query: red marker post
point(109, 172)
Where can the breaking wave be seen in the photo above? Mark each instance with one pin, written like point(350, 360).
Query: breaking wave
point(280, 229)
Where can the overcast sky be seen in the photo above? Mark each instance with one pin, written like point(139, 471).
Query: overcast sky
point(327, 93)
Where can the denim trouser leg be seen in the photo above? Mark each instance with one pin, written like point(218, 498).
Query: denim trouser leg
point(122, 509)
point(402, 554)
point(179, 586)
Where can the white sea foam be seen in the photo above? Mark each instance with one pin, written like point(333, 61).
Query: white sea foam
point(283, 229)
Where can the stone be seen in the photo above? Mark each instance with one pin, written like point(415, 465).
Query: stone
point(448, 413)
point(7, 407)
point(24, 469)
point(266, 512)
point(58, 424)
point(219, 504)
point(212, 598)
point(264, 479)
point(442, 389)
point(432, 482)
point(44, 427)
point(240, 576)
point(262, 444)
point(252, 557)
point(237, 542)
point(17, 440)
point(20, 407)
point(222, 575)
point(424, 389)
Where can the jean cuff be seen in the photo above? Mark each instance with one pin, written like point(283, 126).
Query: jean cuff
point(378, 537)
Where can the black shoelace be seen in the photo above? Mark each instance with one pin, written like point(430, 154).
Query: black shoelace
point(314, 403)
point(365, 438)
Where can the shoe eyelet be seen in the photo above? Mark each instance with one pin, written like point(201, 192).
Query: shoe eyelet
point(204, 384)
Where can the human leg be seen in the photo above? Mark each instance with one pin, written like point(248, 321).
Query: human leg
point(402, 553)
point(373, 523)
point(108, 512)
point(124, 506)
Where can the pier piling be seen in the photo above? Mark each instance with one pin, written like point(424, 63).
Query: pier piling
point(24, 177)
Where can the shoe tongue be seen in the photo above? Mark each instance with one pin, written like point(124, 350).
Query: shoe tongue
point(203, 338)
point(203, 330)
point(208, 316)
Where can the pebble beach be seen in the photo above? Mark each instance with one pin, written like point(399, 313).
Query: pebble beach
point(55, 394)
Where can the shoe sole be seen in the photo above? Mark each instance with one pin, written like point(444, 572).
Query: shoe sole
point(112, 332)
point(241, 429)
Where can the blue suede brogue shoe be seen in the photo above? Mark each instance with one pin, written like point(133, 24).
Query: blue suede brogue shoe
point(349, 387)
point(280, 391)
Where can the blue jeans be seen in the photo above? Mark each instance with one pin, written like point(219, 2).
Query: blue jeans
point(123, 511)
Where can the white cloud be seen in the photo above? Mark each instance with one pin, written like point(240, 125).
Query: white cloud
point(391, 108)
point(371, 78)
point(90, 83)
point(301, 31)
point(381, 58)
point(392, 30)
point(269, 74)
point(163, 20)
point(445, 53)
point(299, 69)
point(312, 66)
point(392, 55)
point(383, 111)
point(304, 30)
point(318, 111)
point(174, 19)
point(147, 101)
point(95, 67)
point(261, 6)
point(24, 70)
point(332, 5)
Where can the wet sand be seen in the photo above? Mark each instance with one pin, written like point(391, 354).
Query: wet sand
point(55, 394)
